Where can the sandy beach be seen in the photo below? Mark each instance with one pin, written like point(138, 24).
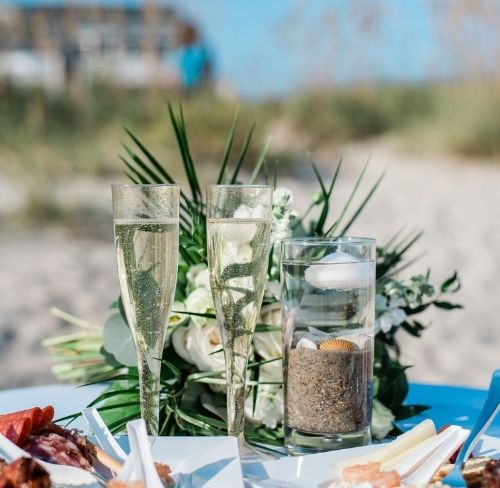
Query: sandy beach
point(456, 204)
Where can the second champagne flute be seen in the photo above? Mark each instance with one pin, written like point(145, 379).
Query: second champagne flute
point(238, 240)
point(146, 222)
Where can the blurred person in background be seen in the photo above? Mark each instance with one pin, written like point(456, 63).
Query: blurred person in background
point(195, 63)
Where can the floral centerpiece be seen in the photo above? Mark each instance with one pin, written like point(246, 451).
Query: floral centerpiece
point(192, 379)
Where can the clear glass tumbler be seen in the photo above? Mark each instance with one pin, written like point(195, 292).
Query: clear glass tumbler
point(328, 301)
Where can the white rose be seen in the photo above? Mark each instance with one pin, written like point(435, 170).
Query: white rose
point(198, 276)
point(234, 233)
point(268, 344)
point(203, 340)
point(382, 420)
point(178, 339)
point(176, 320)
point(235, 252)
point(268, 409)
point(199, 301)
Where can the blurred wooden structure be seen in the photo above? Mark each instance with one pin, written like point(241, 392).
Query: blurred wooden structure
point(55, 43)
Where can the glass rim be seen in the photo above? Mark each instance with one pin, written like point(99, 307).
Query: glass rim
point(144, 185)
point(215, 185)
point(328, 241)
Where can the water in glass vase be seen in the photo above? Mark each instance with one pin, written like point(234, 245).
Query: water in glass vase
point(147, 269)
point(238, 258)
point(328, 356)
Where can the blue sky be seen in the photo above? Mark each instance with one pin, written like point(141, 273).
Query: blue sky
point(273, 47)
point(269, 47)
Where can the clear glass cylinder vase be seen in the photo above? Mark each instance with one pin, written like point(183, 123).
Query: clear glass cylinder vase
point(328, 300)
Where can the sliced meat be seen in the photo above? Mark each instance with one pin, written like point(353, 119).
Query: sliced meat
point(86, 448)
point(16, 430)
point(33, 414)
point(47, 415)
point(24, 473)
point(39, 418)
point(56, 449)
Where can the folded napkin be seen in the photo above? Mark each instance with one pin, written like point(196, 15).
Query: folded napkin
point(139, 465)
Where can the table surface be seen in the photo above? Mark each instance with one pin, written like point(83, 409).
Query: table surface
point(449, 404)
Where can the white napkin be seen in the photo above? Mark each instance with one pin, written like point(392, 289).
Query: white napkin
point(139, 465)
point(103, 436)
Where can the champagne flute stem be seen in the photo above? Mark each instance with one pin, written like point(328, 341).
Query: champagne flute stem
point(236, 364)
point(149, 385)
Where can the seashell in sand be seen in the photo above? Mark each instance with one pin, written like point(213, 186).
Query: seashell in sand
point(306, 343)
point(342, 345)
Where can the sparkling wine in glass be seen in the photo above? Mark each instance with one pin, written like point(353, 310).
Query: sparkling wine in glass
point(238, 240)
point(146, 224)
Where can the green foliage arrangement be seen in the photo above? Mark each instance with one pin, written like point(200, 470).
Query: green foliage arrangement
point(192, 384)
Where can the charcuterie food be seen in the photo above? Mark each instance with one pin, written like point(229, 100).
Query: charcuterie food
point(23, 473)
point(34, 431)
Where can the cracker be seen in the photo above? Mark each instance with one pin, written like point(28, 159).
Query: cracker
point(472, 470)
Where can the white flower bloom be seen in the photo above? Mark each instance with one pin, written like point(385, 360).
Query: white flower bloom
point(268, 344)
point(282, 197)
point(195, 343)
point(235, 252)
point(203, 340)
point(273, 290)
point(199, 301)
point(279, 234)
point(272, 372)
point(177, 318)
point(178, 339)
point(198, 276)
point(233, 233)
point(382, 420)
point(269, 407)
point(271, 314)
point(389, 312)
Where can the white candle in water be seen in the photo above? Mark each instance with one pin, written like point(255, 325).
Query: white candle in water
point(343, 272)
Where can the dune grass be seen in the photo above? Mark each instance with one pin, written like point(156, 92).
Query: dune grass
point(57, 135)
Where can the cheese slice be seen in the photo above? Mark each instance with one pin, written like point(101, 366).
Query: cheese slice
point(403, 443)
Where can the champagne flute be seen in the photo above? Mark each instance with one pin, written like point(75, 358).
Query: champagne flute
point(146, 224)
point(238, 241)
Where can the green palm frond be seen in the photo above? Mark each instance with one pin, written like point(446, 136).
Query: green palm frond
point(229, 145)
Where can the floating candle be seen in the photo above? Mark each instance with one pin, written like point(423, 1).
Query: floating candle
point(341, 271)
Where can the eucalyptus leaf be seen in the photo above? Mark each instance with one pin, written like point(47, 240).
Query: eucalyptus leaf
point(117, 340)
